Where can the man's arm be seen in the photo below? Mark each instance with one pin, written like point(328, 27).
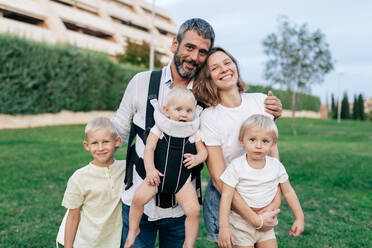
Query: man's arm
point(273, 105)
point(72, 223)
point(124, 114)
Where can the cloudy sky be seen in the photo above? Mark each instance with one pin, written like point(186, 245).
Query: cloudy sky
point(241, 25)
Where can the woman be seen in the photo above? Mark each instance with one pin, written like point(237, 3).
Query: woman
point(220, 88)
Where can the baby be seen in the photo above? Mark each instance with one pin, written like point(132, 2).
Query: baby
point(172, 148)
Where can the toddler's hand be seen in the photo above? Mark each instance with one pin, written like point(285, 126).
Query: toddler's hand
point(190, 160)
point(153, 177)
point(297, 228)
point(225, 238)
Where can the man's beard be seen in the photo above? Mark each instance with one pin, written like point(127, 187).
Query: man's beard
point(181, 71)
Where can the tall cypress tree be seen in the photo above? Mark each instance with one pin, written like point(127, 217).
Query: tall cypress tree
point(333, 107)
point(355, 108)
point(345, 109)
point(362, 115)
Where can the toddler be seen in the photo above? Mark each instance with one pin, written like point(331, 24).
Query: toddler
point(256, 177)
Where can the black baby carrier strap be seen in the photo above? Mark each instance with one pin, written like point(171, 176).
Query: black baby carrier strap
point(132, 156)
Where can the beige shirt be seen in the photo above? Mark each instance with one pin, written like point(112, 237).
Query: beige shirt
point(97, 191)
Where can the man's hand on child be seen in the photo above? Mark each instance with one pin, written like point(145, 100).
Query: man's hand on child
point(153, 177)
point(190, 160)
point(297, 228)
point(225, 238)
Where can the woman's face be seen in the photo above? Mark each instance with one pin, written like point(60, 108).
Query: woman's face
point(223, 71)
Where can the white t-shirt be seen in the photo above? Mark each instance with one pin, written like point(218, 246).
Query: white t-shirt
point(257, 186)
point(220, 125)
point(97, 191)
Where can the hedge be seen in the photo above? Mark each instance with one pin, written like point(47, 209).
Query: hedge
point(40, 78)
point(305, 101)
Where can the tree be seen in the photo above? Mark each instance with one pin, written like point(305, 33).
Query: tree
point(297, 59)
point(138, 54)
point(333, 107)
point(355, 108)
point(362, 115)
point(345, 108)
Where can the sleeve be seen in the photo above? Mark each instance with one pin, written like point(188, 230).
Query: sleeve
point(73, 197)
point(156, 131)
point(259, 99)
point(196, 137)
point(124, 114)
point(208, 129)
point(230, 176)
point(282, 173)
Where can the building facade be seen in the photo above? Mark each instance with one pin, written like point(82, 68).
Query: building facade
point(100, 25)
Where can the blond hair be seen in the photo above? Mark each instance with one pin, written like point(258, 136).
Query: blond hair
point(179, 93)
point(259, 121)
point(203, 87)
point(100, 123)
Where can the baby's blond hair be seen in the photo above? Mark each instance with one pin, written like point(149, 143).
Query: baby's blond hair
point(98, 123)
point(179, 93)
point(260, 121)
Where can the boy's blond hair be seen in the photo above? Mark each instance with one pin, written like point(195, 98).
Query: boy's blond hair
point(259, 121)
point(98, 123)
point(179, 93)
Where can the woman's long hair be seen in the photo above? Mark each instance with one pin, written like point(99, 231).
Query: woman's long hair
point(204, 89)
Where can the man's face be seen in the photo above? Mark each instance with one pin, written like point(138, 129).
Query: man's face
point(190, 54)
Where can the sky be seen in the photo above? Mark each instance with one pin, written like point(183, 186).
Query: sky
point(242, 25)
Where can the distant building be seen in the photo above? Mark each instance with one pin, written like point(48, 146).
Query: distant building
point(368, 105)
point(101, 25)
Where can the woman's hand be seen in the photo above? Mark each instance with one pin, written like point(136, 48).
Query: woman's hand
point(269, 220)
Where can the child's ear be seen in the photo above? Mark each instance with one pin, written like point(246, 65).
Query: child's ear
point(86, 146)
point(241, 142)
point(165, 111)
point(275, 142)
point(117, 141)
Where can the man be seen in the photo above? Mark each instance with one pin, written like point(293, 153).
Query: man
point(190, 47)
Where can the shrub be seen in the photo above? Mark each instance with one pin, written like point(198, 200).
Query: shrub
point(305, 101)
point(40, 78)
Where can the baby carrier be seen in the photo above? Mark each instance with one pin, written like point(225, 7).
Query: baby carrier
point(168, 155)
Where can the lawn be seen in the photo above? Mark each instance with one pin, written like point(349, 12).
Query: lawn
point(329, 164)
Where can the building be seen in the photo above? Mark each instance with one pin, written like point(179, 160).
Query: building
point(101, 25)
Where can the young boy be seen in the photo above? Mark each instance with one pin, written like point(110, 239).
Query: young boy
point(256, 177)
point(167, 171)
point(93, 192)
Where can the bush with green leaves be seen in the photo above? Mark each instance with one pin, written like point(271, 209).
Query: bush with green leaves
point(305, 101)
point(40, 78)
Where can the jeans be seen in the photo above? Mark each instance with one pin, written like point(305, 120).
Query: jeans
point(171, 231)
point(211, 207)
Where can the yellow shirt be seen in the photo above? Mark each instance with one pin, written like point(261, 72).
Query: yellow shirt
point(97, 191)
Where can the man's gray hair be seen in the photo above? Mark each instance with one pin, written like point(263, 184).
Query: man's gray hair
point(202, 27)
point(100, 123)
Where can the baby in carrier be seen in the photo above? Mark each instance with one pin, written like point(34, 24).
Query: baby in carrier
point(173, 147)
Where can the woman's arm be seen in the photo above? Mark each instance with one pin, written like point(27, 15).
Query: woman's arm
point(72, 223)
point(216, 166)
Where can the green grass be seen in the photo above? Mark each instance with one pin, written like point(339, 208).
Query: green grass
point(329, 164)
